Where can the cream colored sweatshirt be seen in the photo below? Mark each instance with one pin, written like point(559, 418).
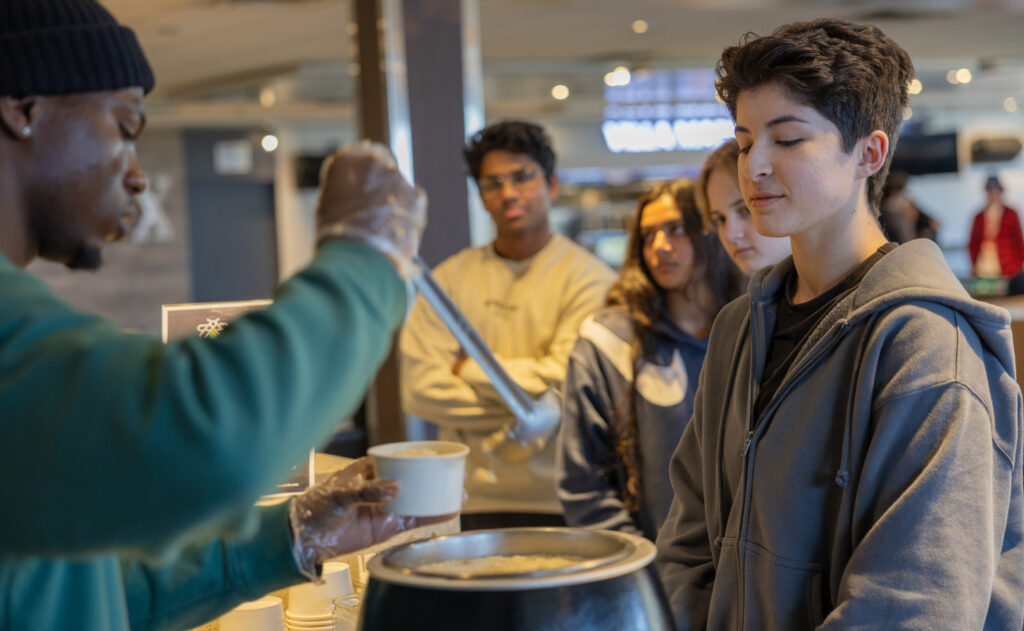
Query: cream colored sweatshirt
point(528, 313)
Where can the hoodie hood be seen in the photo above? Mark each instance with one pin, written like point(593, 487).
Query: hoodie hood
point(914, 271)
point(897, 435)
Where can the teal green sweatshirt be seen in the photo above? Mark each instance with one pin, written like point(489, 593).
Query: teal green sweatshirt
point(122, 457)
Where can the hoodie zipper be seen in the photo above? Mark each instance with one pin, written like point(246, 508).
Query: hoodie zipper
point(755, 431)
point(746, 443)
point(757, 323)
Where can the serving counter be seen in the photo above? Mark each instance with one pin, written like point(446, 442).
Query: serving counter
point(324, 465)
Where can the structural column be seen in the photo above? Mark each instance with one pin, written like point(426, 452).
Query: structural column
point(416, 95)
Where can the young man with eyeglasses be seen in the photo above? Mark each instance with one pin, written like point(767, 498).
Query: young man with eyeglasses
point(526, 293)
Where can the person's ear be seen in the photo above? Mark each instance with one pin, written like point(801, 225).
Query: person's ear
point(871, 153)
point(553, 184)
point(16, 115)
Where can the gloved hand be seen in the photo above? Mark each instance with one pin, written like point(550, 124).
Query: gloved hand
point(342, 514)
point(363, 197)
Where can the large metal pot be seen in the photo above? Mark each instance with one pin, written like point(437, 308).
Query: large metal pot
point(611, 586)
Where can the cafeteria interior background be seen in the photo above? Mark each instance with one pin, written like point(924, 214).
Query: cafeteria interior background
point(252, 94)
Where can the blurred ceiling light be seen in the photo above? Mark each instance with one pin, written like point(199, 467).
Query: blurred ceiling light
point(914, 87)
point(269, 142)
point(1010, 104)
point(560, 92)
point(268, 97)
point(590, 198)
point(963, 75)
point(617, 77)
point(908, 113)
point(951, 77)
point(639, 26)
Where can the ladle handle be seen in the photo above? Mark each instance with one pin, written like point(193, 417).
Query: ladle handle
point(518, 402)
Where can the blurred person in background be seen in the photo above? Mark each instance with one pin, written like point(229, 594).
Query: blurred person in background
point(721, 203)
point(526, 294)
point(632, 375)
point(997, 245)
point(131, 467)
point(900, 217)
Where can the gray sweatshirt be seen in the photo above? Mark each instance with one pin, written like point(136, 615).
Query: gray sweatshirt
point(882, 486)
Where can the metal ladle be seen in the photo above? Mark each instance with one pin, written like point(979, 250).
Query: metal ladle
point(535, 420)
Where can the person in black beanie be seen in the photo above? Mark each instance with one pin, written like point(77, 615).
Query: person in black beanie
point(131, 467)
point(67, 67)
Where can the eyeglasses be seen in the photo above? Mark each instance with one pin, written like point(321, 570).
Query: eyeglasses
point(492, 184)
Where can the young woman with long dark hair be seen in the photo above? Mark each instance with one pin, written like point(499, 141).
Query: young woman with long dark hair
point(618, 432)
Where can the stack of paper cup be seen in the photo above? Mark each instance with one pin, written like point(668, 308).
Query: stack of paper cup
point(265, 614)
point(346, 613)
point(310, 605)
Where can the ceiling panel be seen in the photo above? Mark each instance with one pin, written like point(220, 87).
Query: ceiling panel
point(205, 50)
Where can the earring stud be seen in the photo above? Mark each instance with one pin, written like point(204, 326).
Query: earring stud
point(26, 131)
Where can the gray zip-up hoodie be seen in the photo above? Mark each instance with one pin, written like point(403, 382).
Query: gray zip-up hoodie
point(882, 486)
point(596, 385)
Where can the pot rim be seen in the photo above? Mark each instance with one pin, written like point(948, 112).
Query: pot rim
point(625, 554)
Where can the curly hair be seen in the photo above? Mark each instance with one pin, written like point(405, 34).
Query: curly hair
point(714, 281)
point(512, 136)
point(725, 156)
point(852, 74)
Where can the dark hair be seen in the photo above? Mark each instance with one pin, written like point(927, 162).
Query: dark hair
point(852, 74)
point(725, 156)
point(993, 182)
point(715, 280)
point(894, 184)
point(512, 136)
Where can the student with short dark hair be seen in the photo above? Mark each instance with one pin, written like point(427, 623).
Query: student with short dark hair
point(526, 294)
point(854, 458)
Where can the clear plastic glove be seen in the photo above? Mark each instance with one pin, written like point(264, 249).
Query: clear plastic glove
point(363, 197)
point(342, 514)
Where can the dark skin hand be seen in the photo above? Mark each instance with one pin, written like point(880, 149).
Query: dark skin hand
point(459, 362)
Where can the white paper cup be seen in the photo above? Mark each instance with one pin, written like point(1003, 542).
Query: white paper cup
point(312, 601)
point(320, 626)
point(430, 475)
point(265, 614)
point(306, 620)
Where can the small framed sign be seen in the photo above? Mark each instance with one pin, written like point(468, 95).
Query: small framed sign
point(232, 157)
point(209, 320)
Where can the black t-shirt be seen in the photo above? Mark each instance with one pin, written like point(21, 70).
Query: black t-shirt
point(795, 322)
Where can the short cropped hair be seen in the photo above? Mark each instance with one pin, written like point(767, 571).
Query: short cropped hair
point(852, 74)
point(512, 136)
point(724, 157)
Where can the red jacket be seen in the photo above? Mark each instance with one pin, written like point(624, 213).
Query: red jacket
point(1009, 241)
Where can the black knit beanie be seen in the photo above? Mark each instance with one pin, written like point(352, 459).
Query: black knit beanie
point(67, 47)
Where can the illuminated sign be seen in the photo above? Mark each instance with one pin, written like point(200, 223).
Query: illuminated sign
point(665, 110)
